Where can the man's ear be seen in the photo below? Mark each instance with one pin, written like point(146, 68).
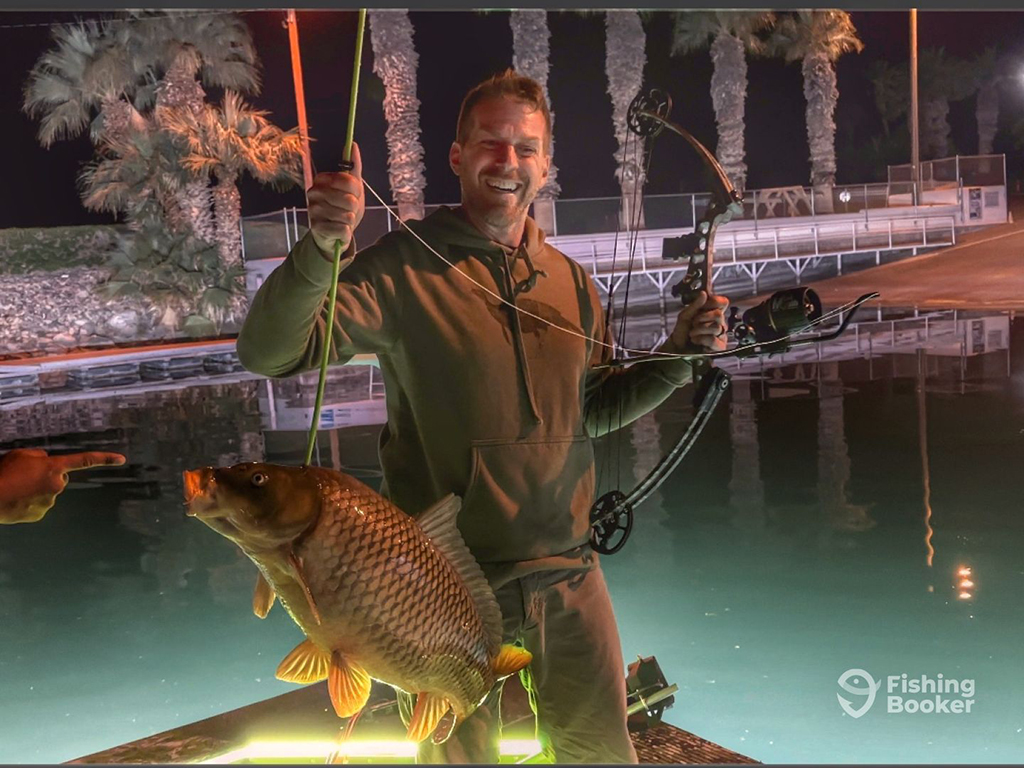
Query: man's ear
point(455, 157)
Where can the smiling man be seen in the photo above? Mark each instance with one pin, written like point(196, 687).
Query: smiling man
point(489, 341)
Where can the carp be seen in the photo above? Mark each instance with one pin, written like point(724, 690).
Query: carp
point(378, 594)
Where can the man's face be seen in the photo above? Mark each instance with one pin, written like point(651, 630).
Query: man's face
point(503, 162)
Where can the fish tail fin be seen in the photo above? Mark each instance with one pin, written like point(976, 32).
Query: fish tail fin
point(430, 708)
point(511, 659)
point(348, 684)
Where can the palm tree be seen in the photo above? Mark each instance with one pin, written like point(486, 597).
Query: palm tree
point(225, 142)
point(730, 34)
point(84, 79)
point(110, 75)
point(891, 90)
point(216, 48)
point(625, 58)
point(989, 73)
point(941, 79)
point(531, 52)
point(818, 39)
point(395, 61)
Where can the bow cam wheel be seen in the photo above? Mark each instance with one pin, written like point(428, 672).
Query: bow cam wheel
point(611, 522)
point(655, 101)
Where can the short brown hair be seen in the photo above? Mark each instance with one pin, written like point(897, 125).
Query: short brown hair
point(509, 85)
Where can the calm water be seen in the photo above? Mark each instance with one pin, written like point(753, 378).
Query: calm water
point(818, 526)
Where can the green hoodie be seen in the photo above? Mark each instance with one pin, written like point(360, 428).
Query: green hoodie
point(493, 405)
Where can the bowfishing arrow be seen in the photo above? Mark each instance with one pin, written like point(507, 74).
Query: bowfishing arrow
point(346, 165)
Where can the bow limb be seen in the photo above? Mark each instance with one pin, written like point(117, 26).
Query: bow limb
point(612, 515)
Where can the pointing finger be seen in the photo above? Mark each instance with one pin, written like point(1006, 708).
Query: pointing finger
point(73, 461)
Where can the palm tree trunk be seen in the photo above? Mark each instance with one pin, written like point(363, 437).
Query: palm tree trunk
point(624, 64)
point(935, 128)
point(822, 95)
point(987, 112)
point(227, 203)
point(179, 90)
point(395, 61)
point(728, 96)
point(531, 53)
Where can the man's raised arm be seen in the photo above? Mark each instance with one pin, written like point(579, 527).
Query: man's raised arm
point(283, 331)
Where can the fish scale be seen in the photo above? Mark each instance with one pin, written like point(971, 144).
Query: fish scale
point(357, 534)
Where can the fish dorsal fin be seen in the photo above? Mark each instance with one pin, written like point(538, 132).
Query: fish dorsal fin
point(348, 684)
point(307, 663)
point(439, 523)
point(430, 708)
point(511, 659)
point(263, 596)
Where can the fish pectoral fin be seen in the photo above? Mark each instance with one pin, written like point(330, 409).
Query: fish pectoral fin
point(263, 597)
point(300, 577)
point(307, 663)
point(430, 708)
point(511, 659)
point(348, 684)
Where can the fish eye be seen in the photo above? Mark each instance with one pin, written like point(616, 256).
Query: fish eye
point(259, 479)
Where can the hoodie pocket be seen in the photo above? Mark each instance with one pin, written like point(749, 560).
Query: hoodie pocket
point(528, 498)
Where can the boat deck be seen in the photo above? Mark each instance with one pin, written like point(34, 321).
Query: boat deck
point(300, 726)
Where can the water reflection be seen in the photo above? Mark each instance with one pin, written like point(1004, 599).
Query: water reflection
point(831, 516)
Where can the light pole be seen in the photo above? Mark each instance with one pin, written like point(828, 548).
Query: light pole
point(300, 97)
point(915, 146)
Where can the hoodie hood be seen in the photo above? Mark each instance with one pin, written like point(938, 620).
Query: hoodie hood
point(450, 226)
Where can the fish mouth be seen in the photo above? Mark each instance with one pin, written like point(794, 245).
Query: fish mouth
point(199, 487)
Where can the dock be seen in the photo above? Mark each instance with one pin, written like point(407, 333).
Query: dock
point(984, 270)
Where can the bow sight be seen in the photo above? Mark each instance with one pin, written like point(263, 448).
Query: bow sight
point(766, 328)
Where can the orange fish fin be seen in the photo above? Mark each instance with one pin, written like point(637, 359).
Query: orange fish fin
point(307, 663)
point(439, 524)
point(300, 577)
point(348, 684)
point(262, 597)
point(511, 659)
point(430, 708)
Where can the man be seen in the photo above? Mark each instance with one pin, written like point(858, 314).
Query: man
point(492, 393)
point(31, 480)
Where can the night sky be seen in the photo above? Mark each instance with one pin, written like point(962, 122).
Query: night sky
point(457, 49)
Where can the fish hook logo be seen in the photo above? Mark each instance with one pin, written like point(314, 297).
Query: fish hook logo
point(869, 690)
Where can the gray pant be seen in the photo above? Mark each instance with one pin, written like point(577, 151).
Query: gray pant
point(576, 680)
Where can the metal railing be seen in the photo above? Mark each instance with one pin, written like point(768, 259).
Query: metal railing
point(966, 170)
point(273, 234)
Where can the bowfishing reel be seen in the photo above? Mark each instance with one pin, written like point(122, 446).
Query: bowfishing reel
point(783, 314)
point(611, 522)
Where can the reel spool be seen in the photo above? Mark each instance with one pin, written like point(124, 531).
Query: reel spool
point(784, 313)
